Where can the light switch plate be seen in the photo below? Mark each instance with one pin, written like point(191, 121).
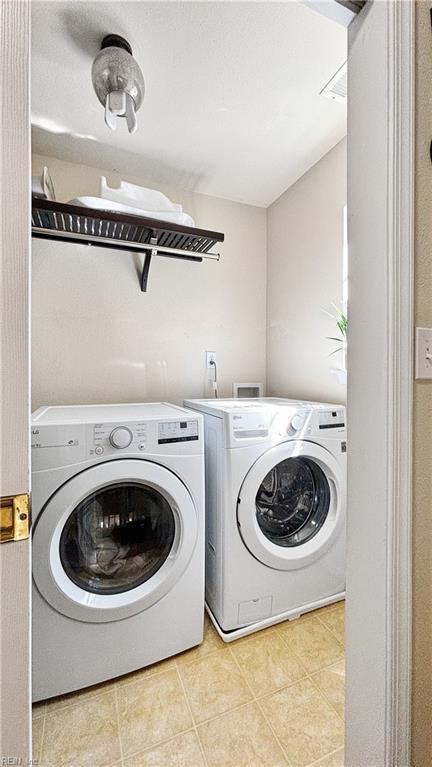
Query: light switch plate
point(423, 353)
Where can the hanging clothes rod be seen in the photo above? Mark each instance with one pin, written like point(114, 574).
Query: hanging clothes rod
point(155, 249)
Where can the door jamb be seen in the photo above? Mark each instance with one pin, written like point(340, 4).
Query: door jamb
point(396, 350)
point(400, 351)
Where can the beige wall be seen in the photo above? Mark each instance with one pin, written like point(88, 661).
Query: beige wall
point(96, 337)
point(305, 246)
point(422, 523)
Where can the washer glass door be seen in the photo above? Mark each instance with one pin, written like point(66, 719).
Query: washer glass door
point(113, 540)
point(117, 538)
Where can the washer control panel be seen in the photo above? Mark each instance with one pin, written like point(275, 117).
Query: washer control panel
point(109, 437)
point(177, 431)
point(74, 443)
point(141, 436)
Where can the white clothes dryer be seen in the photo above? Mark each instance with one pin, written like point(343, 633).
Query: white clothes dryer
point(275, 509)
point(118, 540)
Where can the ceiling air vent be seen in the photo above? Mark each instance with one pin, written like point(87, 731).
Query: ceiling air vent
point(336, 88)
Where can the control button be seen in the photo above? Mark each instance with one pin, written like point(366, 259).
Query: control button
point(120, 437)
point(99, 450)
point(142, 446)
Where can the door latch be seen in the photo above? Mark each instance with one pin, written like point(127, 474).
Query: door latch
point(14, 518)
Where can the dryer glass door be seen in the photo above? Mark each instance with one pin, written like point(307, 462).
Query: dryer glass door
point(117, 538)
point(291, 505)
point(293, 501)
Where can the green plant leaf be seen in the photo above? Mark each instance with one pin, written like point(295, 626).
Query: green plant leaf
point(341, 320)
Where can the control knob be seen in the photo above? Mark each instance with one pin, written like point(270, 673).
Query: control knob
point(297, 422)
point(120, 437)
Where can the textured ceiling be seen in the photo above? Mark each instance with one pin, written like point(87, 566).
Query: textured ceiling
point(232, 104)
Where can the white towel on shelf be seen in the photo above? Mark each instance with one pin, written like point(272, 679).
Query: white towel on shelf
point(42, 185)
point(138, 197)
point(174, 216)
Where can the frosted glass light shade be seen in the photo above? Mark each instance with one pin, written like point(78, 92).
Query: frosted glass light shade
point(114, 69)
point(118, 81)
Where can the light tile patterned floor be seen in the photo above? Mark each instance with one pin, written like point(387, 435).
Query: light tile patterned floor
point(273, 699)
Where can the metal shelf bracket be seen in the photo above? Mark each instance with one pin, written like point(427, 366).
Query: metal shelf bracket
point(146, 266)
point(64, 222)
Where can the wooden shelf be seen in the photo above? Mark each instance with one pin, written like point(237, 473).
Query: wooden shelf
point(123, 231)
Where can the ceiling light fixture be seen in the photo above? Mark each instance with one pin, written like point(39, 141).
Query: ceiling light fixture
point(118, 81)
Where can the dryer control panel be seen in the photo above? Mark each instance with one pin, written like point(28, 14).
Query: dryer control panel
point(331, 419)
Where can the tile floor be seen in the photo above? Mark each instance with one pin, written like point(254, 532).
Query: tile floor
point(272, 699)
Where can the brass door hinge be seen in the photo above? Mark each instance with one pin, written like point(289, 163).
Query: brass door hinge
point(14, 518)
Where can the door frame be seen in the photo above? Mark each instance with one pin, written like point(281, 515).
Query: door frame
point(15, 209)
point(390, 405)
point(380, 383)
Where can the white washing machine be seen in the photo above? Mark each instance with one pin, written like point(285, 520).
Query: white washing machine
point(118, 541)
point(275, 509)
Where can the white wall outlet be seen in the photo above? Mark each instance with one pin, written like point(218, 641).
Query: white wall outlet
point(210, 359)
point(423, 353)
